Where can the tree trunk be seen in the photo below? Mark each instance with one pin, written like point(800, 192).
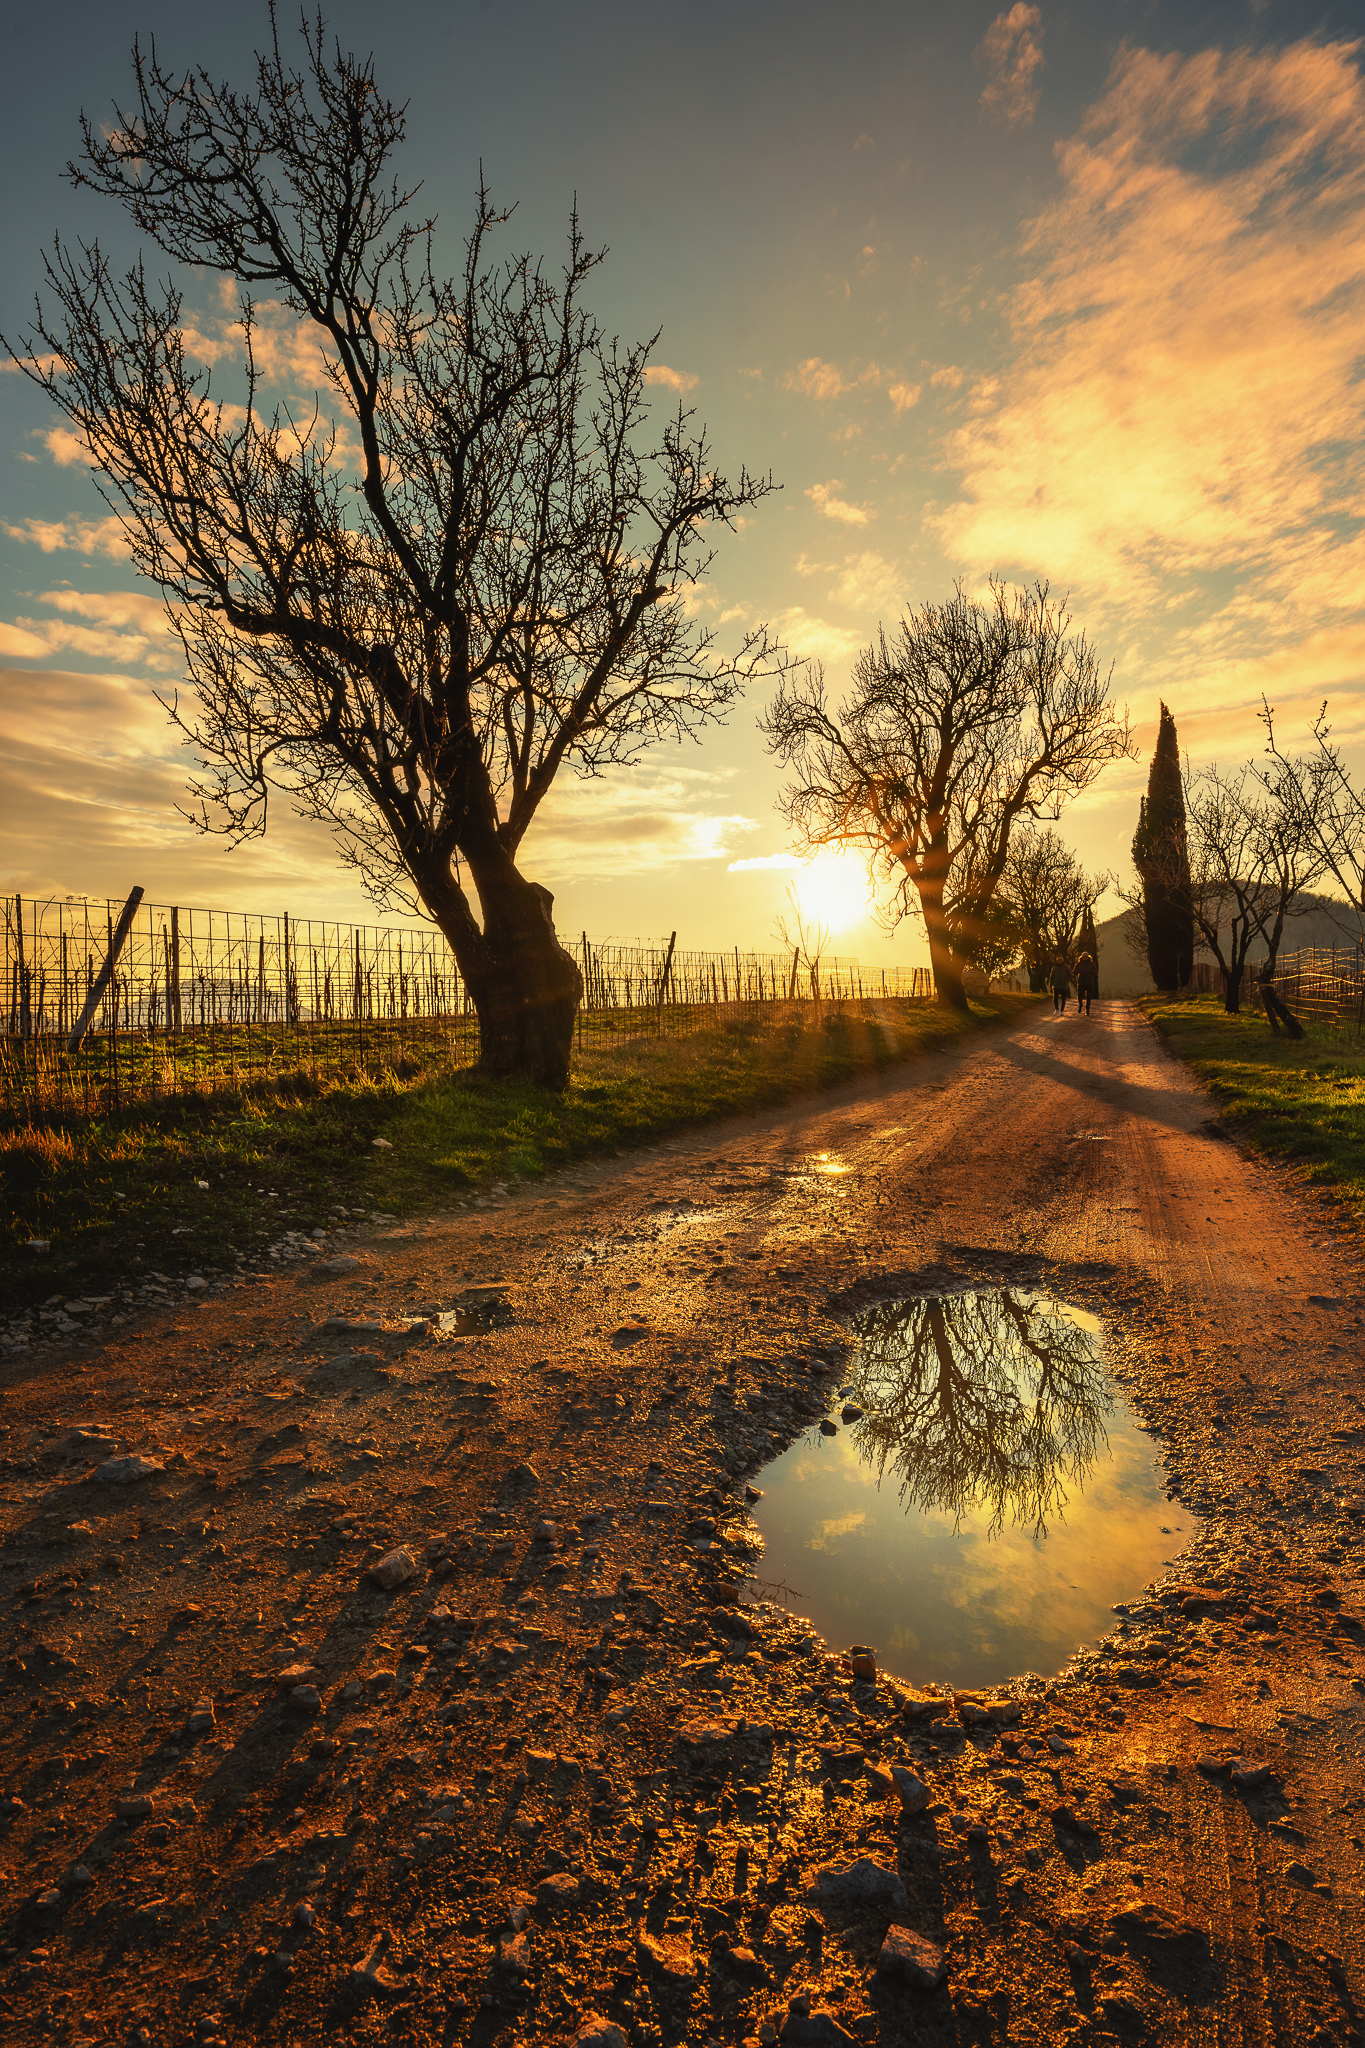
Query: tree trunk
point(524, 986)
point(1232, 989)
point(947, 972)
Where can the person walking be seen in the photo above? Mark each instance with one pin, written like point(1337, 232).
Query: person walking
point(1059, 981)
point(1087, 983)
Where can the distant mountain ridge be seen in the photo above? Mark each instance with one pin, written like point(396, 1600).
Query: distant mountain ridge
point(1323, 921)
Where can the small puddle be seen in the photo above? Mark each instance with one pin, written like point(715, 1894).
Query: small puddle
point(993, 1501)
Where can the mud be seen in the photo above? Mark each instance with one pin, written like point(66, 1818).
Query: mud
point(551, 1770)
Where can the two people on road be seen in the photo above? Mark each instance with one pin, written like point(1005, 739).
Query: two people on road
point(1087, 982)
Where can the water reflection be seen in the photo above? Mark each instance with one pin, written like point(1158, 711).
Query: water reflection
point(984, 1404)
point(995, 1497)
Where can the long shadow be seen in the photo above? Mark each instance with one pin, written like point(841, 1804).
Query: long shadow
point(1115, 1090)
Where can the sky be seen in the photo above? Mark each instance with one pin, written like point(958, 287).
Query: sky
point(1041, 292)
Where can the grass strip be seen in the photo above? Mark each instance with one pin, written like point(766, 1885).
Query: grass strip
point(1296, 1100)
point(125, 1198)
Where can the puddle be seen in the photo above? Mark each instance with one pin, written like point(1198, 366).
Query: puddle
point(993, 1501)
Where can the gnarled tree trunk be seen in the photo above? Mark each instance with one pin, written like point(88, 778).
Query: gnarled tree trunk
point(524, 985)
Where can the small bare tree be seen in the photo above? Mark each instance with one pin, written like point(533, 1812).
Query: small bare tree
point(1049, 896)
point(1250, 857)
point(971, 719)
point(806, 937)
point(461, 570)
point(1322, 810)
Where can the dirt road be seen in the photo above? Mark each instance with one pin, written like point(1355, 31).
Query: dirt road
point(550, 1770)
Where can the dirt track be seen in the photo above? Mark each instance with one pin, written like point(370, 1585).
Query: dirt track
point(582, 1735)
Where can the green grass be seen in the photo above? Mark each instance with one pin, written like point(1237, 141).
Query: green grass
point(1301, 1101)
point(120, 1197)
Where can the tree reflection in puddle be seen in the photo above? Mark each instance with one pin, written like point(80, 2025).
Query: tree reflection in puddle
point(995, 1497)
point(982, 1403)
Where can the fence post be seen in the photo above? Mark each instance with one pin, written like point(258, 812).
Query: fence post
point(105, 975)
point(25, 1004)
point(663, 978)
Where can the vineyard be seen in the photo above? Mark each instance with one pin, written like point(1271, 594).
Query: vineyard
point(109, 1005)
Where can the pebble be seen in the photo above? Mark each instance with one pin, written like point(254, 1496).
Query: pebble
point(201, 1718)
point(880, 1783)
point(335, 1268)
point(393, 1570)
point(305, 1699)
point(828, 1428)
point(135, 1806)
point(850, 1412)
point(305, 1915)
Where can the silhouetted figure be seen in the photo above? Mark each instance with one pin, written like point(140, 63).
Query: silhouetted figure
point(1059, 981)
point(1087, 982)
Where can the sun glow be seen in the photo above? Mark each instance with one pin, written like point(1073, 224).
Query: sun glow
point(834, 890)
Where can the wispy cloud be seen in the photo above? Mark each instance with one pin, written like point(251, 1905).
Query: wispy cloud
point(780, 861)
point(126, 627)
point(1182, 421)
point(823, 498)
point(79, 536)
point(676, 380)
point(1012, 52)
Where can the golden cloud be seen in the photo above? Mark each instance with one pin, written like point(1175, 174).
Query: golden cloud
point(1183, 413)
point(1013, 55)
point(676, 380)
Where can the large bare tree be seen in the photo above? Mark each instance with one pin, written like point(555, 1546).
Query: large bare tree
point(971, 718)
point(459, 569)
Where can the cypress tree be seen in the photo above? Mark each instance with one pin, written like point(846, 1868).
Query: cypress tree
point(1161, 857)
point(1089, 943)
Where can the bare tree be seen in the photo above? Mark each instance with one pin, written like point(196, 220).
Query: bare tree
point(806, 937)
point(1048, 895)
point(970, 719)
point(1250, 856)
point(1317, 797)
point(460, 570)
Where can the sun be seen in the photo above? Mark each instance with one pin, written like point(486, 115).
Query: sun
point(834, 890)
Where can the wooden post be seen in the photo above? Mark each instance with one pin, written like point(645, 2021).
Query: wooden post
point(25, 1005)
point(101, 982)
point(175, 969)
point(663, 978)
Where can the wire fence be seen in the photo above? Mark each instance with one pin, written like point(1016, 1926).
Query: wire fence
point(169, 999)
point(1326, 983)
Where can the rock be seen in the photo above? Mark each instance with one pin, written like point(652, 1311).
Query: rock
point(50, 1897)
point(669, 1962)
point(392, 1570)
point(124, 1471)
point(201, 1718)
point(1250, 1777)
point(555, 1893)
point(880, 1783)
point(1060, 1748)
point(595, 2032)
point(514, 1957)
point(336, 1269)
point(304, 1915)
point(382, 1144)
point(370, 1978)
point(907, 1954)
point(84, 1443)
point(351, 1690)
point(858, 1883)
point(828, 1428)
point(539, 1763)
point(814, 2030)
point(294, 1674)
point(305, 1699)
point(924, 1707)
point(840, 1761)
point(912, 1792)
point(850, 1412)
point(863, 1663)
point(545, 1532)
point(81, 1876)
point(134, 1806)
